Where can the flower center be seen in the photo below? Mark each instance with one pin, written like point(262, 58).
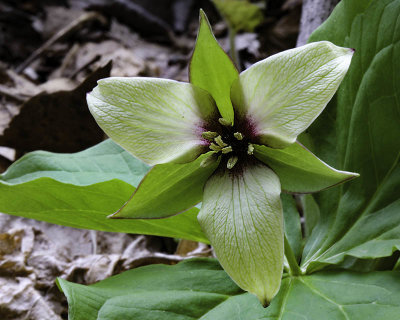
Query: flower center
point(231, 144)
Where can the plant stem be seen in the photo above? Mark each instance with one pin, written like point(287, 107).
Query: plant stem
point(294, 267)
point(232, 47)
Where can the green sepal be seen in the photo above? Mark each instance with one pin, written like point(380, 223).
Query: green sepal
point(240, 14)
point(299, 170)
point(211, 69)
point(168, 189)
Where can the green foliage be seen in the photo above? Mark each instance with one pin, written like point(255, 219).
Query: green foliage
point(299, 170)
point(168, 189)
point(212, 70)
point(361, 219)
point(80, 190)
point(241, 15)
point(200, 289)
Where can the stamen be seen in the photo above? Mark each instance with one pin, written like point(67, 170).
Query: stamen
point(220, 142)
point(250, 149)
point(209, 135)
point(227, 149)
point(225, 122)
point(238, 136)
point(231, 162)
point(214, 147)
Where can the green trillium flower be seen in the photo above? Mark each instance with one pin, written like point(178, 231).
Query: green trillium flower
point(228, 140)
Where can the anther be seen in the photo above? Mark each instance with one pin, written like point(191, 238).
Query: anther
point(209, 135)
point(231, 162)
point(227, 149)
point(238, 136)
point(220, 142)
point(250, 149)
point(214, 147)
point(225, 122)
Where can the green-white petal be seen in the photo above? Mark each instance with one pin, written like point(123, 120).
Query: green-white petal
point(241, 215)
point(211, 69)
point(157, 120)
point(283, 94)
point(299, 170)
point(169, 189)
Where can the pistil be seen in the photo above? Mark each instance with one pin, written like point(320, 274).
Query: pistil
point(227, 143)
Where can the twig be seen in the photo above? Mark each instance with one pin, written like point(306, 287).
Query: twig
point(5, 91)
point(60, 35)
point(314, 12)
point(232, 47)
point(96, 58)
point(294, 267)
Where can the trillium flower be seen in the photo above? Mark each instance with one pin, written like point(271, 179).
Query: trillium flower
point(228, 140)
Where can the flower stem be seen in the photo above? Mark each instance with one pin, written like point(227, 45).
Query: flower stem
point(294, 267)
point(232, 47)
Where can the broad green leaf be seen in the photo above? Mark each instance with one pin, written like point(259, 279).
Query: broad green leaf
point(103, 162)
point(299, 170)
point(240, 14)
point(241, 215)
point(184, 291)
point(374, 235)
point(311, 213)
point(283, 94)
point(292, 224)
point(200, 289)
point(211, 69)
point(168, 189)
point(80, 190)
point(364, 137)
point(156, 120)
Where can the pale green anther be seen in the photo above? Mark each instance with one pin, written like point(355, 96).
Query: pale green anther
point(214, 147)
point(231, 162)
point(220, 142)
point(208, 161)
point(238, 136)
point(227, 149)
point(225, 122)
point(250, 149)
point(209, 135)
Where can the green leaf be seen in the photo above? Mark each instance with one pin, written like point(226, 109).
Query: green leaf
point(240, 14)
point(241, 215)
point(211, 69)
point(374, 235)
point(283, 94)
point(363, 139)
point(156, 120)
point(299, 170)
point(200, 289)
point(168, 189)
point(80, 190)
point(311, 213)
point(292, 224)
point(184, 291)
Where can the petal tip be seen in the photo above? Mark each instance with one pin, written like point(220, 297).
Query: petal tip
point(264, 299)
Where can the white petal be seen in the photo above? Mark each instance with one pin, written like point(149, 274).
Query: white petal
point(242, 217)
point(156, 120)
point(283, 94)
